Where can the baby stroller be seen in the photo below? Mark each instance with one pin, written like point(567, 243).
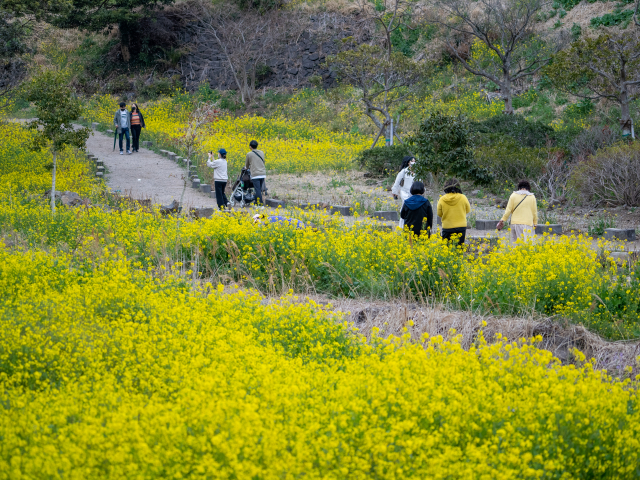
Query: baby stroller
point(242, 191)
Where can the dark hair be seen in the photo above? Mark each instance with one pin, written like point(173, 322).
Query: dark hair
point(223, 155)
point(405, 162)
point(417, 188)
point(452, 186)
point(122, 104)
point(135, 105)
point(524, 184)
point(253, 144)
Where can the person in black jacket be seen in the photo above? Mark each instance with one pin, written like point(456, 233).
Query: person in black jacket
point(416, 210)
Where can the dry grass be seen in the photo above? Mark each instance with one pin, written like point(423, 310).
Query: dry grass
point(558, 335)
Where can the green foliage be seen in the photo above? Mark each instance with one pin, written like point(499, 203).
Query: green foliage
point(259, 5)
point(580, 109)
point(103, 15)
point(12, 37)
point(407, 40)
point(443, 146)
point(618, 17)
point(382, 160)
point(576, 31)
point(525, 100)
point(600, 222)
point(510, 162)
point(526, 133)
point(158, 87)
point(603, 67)
point(56, 109)
point(565, 4)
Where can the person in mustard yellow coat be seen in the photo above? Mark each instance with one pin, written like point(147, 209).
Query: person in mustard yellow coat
point(453, 209)
point(523, 210)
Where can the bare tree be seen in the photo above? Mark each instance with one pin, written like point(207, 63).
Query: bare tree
point(384, 80)
point(552, 184)
point(604, 67)
point(244, 40)
point(388, 16)
point(506, 49)
point(384, 76)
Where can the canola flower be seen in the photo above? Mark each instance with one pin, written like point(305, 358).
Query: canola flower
point(115, 364)
point(24, 171)
point(109, 373)
point(291, 146)
point(554, 276)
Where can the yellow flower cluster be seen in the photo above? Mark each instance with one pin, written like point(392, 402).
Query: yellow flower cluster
point(24, 171)
point(106, 372)
point(559, 275)
point(117, 360)
point(290, 146)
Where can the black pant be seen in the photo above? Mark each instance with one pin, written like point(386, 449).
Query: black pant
point(125, 132)
point(221, 198)
point(258, 185)
point(447, 233)
point(135, 133)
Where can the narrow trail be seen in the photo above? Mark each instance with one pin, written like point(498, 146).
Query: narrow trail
point(144, 175)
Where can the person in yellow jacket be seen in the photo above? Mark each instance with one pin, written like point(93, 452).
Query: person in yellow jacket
point(453, 209)
point(523, 210)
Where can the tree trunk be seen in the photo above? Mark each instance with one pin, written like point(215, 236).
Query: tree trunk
point(53, 183)
point(508, 98)
point(435, 188)
point(625, 115)
point(123, 28)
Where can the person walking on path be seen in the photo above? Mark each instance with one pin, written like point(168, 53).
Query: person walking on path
point(416, 209)
point(137, 124)
point(122, 121)
point(523, 210)
point(404, 180)
point(220, 177)
point(255, 163)
point(453, 209)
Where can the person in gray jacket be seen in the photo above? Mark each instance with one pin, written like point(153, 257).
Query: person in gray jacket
point(255, 163)
point(122, 121)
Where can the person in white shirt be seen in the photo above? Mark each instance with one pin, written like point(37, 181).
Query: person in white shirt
point(402, 186)
point(220, 177)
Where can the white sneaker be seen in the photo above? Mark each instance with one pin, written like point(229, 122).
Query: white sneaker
point(121, 152)
point(128, 152)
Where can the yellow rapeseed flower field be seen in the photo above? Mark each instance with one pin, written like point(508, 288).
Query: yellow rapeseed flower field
point(120, 359)
point(290, 146)
point(109, 373)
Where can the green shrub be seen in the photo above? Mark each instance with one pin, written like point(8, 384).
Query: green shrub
point(159, 87)
point(260, 5)
point(524, 132)
point(612, 19)
point(382, 160)
point(510, 162)
point(581, 109)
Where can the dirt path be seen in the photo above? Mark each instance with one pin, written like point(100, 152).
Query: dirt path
point(144, 175)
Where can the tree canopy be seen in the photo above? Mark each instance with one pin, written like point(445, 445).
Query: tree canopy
point(56, 108)
point(443, 146)
point(103, 15)
point(604, 67)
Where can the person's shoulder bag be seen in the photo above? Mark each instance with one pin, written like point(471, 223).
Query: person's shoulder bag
point(263, 162)
point(525, 197)
point(404, 175)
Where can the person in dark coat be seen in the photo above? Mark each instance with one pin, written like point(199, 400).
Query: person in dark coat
point(416, 210)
